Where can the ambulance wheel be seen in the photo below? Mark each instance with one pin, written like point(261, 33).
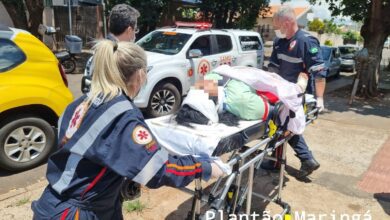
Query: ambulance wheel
point(25, 142)
point(164, 100)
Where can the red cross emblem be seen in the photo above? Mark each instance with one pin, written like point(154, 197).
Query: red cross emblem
point(75, 118)
point(141, 135)
point(203, 67)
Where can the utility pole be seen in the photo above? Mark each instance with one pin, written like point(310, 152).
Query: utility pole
point(104, 19)
point(70, 16)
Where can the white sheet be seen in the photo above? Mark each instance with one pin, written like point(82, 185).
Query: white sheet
point(271, 82)
point(200, 140)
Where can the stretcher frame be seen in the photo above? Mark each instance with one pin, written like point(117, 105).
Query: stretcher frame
point(215, 200)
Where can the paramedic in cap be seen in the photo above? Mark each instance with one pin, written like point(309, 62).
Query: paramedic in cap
point(296, 56)
point(103, 138)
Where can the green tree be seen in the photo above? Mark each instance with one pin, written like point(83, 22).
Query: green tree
point(351, 37)
point(25, 14)
point(331, 28)
point(316, 25)
point(376, 28)
point(328, 43)
point(231, 13)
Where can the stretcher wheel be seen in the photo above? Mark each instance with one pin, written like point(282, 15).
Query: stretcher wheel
point(130, 190)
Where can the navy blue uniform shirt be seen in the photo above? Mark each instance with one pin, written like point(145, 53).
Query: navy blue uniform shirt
point(99, 145)
point(301, 53)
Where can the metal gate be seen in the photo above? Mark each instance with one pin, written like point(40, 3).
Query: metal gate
point(86, 23)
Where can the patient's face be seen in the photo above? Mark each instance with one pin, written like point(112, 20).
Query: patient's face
point(209, 86)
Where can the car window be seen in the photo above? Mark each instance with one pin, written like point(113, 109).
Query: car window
point(202, 43)
point(250, 43)
point(10, 55)
point(334, 53)
point(347, 50)
point(326, 52)
point(224, 43)
point(165, 42)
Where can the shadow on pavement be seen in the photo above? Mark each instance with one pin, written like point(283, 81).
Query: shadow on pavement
point(384, 200)
point(338, 98)
point(5, 173)
point(265, 183)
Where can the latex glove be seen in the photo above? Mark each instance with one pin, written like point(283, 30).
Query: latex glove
point(216, 172)
point(320, 103)
point(302, 81)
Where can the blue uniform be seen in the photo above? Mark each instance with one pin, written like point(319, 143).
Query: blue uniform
point(290, 57)
point(301, 53)
point(99, 145)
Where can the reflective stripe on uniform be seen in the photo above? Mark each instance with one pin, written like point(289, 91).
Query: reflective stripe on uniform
point(82, 144)
point(67, 175)
point(275, 64)
point(59, 124)
point(152, 167)
point(289, 59)
point(85, 142)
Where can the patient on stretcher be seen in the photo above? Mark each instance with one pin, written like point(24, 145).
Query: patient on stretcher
point(200, 108)
point(209, 103)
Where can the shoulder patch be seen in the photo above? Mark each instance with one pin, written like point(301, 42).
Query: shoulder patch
point(313, 50)
point(141, 135)
point(76, 119)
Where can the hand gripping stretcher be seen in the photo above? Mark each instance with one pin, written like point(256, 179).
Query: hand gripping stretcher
point(231, 192)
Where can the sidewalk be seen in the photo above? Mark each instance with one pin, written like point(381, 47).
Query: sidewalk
point(346, 140)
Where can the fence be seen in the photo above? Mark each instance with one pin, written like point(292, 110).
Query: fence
point(86, 23)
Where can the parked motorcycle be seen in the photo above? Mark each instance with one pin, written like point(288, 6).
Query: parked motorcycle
point(67, 60)
point(73, 45)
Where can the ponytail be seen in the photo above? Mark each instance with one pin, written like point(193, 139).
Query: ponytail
point(115, 64)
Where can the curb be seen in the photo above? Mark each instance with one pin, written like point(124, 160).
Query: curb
point(20, 191)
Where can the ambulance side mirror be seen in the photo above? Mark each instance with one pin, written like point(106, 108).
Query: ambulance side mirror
point(194, 53)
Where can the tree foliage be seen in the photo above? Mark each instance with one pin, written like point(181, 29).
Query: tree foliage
point(376, 27)
point(326, 26)
point(331, 28)
point(222, 13)
point(231, 13)
point(316, 25)
point(328, 43)
point(352, 36)
point(17, 11)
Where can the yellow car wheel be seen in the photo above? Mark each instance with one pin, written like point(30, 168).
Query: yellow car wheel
point(25, 142)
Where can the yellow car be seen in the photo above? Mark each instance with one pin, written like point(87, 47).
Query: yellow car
point(33, 94)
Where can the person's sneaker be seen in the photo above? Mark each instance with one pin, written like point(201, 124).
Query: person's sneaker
point(308, 166)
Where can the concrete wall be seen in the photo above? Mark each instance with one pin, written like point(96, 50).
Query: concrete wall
point(48, 20)
point(4, 17)
point(265, 28)
point(337, 40)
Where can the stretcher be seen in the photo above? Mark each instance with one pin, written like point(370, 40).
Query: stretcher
point(231, 192)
